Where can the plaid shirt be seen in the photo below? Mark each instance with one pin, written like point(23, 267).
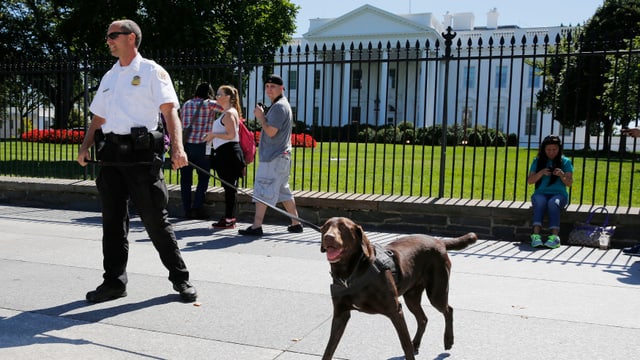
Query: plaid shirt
point(203, 123)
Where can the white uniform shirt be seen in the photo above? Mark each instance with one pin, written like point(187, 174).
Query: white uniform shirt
point(130, 96)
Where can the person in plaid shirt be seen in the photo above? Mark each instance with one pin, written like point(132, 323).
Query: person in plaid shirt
point(198, 114)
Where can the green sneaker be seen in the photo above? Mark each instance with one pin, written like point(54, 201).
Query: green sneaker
point(536, 240)
point(553, 241)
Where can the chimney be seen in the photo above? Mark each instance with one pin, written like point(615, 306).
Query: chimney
point(492, 18)
point(448, 19)
point(463, 21)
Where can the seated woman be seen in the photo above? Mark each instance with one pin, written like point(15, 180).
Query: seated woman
point(552, 173)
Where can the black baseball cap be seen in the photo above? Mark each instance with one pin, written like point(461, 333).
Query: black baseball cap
point(274, 79)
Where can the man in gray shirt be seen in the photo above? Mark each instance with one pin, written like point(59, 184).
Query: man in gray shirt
point(274, 158)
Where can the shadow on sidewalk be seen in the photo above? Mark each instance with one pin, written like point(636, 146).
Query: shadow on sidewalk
point(34, 327)
point(630, 275)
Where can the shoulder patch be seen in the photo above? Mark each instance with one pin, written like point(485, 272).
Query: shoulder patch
point(163, 75)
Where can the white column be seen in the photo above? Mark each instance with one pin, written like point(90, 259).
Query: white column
point(384, 84)
point(422, 90)
point(346, 100)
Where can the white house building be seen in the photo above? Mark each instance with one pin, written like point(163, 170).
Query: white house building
point(404, 77)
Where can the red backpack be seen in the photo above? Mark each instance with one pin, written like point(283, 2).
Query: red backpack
point(247, 143)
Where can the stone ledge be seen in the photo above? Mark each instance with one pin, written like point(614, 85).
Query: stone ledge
point(497, 220)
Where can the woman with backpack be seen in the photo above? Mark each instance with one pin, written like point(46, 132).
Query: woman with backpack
point(226, 157)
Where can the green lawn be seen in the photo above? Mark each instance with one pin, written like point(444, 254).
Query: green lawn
point(470, 172)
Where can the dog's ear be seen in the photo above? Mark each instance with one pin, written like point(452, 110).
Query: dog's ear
point(367, 248)
point(323, 230)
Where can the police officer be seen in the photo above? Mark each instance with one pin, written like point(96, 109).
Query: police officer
point(125, 130)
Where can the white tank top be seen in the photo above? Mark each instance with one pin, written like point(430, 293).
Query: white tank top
point(218, 128)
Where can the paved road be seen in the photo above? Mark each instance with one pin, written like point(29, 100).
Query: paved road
point(268, 298)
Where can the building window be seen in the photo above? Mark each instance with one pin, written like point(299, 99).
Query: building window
point(392, 78)
point(294, 113)
point(356, 79)
point(469, 77)
point(534, 79)
point(316, 79)
point(498, 120)
point(293, 80)
point(355, 114)
point(563, 131)
point(467, 117)
point(316, 115)
point(532, 121)
point(501, 77)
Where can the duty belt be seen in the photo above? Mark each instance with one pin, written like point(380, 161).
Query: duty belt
point(118, 139)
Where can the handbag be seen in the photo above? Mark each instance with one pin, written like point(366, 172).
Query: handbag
point(588, 234)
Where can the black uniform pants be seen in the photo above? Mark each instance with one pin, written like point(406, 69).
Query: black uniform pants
point(148, 191)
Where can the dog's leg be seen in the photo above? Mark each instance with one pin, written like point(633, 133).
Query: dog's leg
point(438, 294)
point(338, 324)
point(397, 318)
point(447, 312)
point(448, 329)
point(412, 298)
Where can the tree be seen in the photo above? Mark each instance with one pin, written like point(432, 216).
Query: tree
point(610, 30)
point(622, 94)
point(576, 84)
point(71, 29)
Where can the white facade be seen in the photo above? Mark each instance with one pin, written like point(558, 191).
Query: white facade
point(11, 121)
point(492, 93)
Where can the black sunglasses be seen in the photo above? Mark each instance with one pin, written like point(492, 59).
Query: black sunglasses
point(114, 35)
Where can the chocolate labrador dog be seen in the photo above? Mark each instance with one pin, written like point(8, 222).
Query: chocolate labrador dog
point(370, 279)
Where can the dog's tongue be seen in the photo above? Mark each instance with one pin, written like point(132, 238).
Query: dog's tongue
point(333, 254)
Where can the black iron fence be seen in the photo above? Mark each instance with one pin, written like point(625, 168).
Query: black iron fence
point(441, 117)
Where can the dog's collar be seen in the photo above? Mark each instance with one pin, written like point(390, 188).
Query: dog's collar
point(346, 283)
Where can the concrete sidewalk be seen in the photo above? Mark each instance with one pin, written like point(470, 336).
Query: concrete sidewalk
point(268, 298)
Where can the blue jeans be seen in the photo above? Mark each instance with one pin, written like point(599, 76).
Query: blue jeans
point(196, 153)
point(551, 204)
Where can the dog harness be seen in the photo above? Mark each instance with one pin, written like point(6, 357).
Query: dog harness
point(384, 261)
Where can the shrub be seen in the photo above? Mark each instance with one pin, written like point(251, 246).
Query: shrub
point(58, 136)
point(389, 135)
point(297, 140)
point(367, 135)
point(303, 140)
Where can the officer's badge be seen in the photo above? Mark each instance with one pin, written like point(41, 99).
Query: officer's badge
point(135, 81)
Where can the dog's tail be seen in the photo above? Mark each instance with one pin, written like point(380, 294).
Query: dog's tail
point(461, 242)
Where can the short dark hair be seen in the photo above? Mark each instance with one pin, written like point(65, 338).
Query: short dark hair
point(130, 25)
point(204, 91)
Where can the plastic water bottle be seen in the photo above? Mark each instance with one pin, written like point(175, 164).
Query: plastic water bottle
point(604, 241)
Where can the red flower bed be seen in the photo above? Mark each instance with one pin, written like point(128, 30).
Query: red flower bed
point(297, 140)
point(57, 136)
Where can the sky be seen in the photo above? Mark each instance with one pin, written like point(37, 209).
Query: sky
point(530, 13)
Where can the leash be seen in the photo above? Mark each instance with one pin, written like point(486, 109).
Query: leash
point(306, 222)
